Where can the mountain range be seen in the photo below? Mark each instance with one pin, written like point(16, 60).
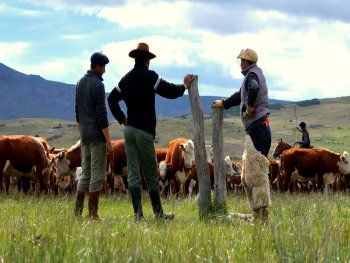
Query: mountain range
point(31, 96)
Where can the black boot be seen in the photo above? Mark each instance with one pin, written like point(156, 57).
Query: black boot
point(157, 206)
point(93, 205)
point(135, 193)
point(79, 203)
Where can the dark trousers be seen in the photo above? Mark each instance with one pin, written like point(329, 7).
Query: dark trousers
point(261, 137)
point(140, 150)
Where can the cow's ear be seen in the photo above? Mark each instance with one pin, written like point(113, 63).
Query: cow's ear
point(182, 147)
point(62, 155)
point(342, 158)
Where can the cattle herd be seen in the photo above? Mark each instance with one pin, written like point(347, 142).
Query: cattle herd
point(29, 164)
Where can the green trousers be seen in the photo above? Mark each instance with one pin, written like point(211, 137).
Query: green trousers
point(93, 162)
point(140, 152)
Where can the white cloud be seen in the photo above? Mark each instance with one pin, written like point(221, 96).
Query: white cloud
point(9, 51)
point(67, 70)
point(20, 11)
point(298, 64)
point(170, 52)
point(302, 56)
point(148, 14)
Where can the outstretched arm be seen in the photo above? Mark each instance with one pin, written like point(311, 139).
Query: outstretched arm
point(170, 90)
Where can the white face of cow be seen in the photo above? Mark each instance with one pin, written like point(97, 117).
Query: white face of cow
point(237, 167)
point(187, 153)
point(344, 163)
point(78, 173)
point(209, 152)
point(162, 169)
point(62, 166)
point(228, 167)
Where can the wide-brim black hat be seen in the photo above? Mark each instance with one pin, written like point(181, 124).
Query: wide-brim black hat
point(142, 50)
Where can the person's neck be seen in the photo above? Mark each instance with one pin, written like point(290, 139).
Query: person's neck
point(96, 71)
point(141, 64)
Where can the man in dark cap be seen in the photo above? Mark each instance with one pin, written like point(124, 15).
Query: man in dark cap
point(305, 139)
point(91, 116)
point(138, 89)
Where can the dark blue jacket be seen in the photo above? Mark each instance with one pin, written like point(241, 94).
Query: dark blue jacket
point(305, 139)
point(90, 107)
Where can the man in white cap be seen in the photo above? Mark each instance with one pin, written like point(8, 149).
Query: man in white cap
point(253, 100)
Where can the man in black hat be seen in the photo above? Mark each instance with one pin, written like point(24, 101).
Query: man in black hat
point(91, 116)
point(305, 138)
point(138, 88)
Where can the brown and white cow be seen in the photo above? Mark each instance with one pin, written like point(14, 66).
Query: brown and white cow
point(24, 152)
point(119, 167)
point(161, 153)
point(69, 160)
point(177, 166)
point(12, 173)
point(274, 168)
point(233, 171)
point(192, 186)
point(309, 163)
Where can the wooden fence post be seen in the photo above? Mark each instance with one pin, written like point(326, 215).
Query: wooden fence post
point(219, 166)
point(204, 197)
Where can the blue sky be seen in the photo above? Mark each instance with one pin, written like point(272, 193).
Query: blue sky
point(303, 46)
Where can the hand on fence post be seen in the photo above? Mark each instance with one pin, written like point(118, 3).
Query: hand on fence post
point(188, 79)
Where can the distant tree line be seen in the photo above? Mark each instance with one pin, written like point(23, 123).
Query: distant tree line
point(306, 103)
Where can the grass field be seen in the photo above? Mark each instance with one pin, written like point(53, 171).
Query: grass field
point(303, 228)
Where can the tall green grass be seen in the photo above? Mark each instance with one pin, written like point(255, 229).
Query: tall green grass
point(303, 228)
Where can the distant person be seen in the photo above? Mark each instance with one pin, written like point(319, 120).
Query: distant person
point(305, 138)
point(138, 89)
point(253, 100)
point(91, 116)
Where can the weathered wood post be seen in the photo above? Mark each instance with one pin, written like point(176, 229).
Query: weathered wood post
point(219, 166)
point(204, 197)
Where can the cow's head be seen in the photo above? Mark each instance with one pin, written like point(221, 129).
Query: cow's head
point(209, 152)
point(228, 167)
point(187, 153)
point(78, 174)
point(162, 168)
point(237, 167)
point(119, 186)
point(62, 165)
point(344, 163)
